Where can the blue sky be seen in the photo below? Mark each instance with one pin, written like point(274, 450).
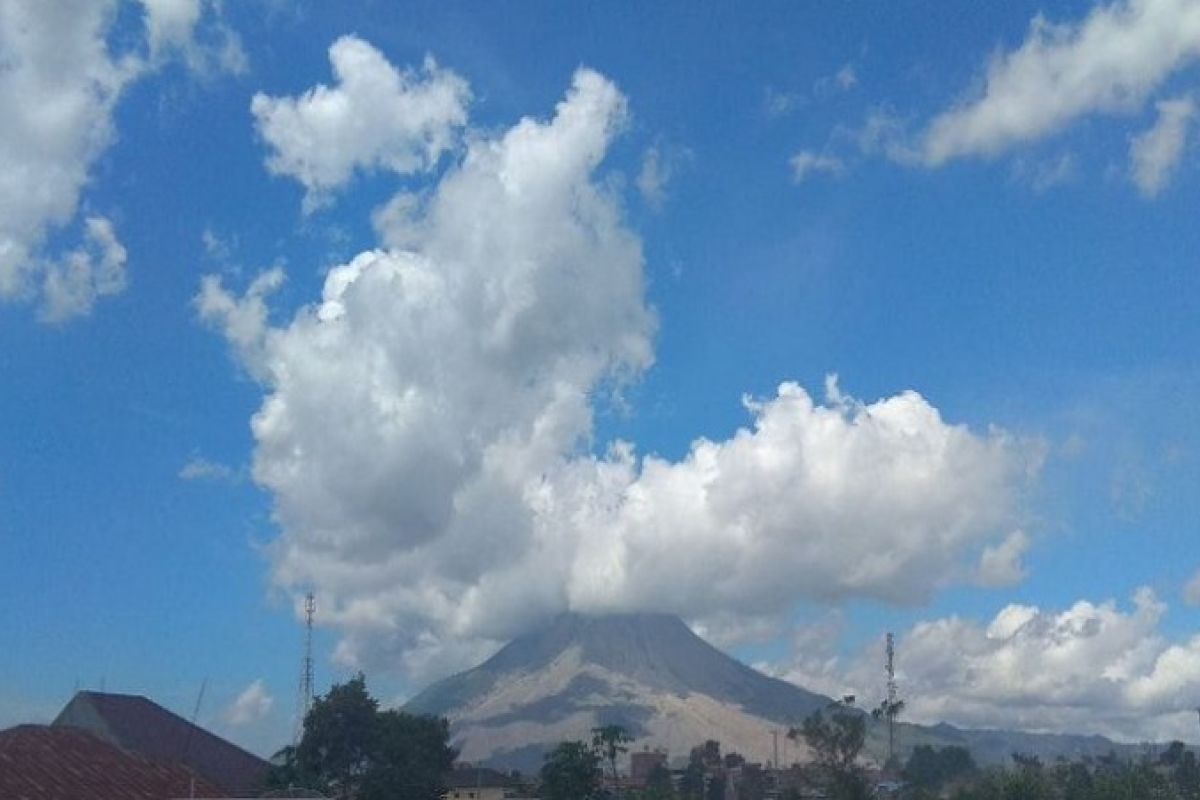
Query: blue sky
point(991, 210)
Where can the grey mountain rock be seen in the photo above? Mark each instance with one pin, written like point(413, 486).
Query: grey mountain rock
point(669, 688)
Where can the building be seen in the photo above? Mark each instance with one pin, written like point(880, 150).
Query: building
point(479, 783)
point(41, 762)
point(642, 765)
point(144, 728)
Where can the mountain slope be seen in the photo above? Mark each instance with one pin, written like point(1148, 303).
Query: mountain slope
point(670, 689)
point(648, 672)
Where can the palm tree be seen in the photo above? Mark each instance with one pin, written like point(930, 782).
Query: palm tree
point(609, 741)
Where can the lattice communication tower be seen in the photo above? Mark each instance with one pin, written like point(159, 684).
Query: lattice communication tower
point(305, 700)
point(893, 701)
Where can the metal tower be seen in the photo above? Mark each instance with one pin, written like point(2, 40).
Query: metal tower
point(306, 668)
point(893, 702)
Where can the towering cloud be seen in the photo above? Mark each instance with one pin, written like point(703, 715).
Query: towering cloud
point(427, 431)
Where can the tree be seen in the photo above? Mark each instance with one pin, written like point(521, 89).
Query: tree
point(1173, 754)
point(339, 732)
point(658, 784)
point(835, 742)
point(610, 741)
point(752, 783)
point(571, 772)
point(931, 769)
point(285, 771)
point(410, 758)
point(1186, 776)
point(351, 749)
point(691, 785)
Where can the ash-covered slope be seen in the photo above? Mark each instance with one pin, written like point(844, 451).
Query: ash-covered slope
point(671, 690)
point(648, 672)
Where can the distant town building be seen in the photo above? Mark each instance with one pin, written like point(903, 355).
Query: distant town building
point(642, 764)
point(479, 783)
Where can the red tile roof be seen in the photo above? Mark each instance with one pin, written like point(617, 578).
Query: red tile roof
point(39, 762)
point(141, 726)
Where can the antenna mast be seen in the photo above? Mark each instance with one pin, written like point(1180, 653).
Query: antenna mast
point(893, 703)
point(306, 667)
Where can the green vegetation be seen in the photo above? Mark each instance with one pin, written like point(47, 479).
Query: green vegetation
point(658, 785)
point(571, 772)
point(835, 742)
point(610, 741)
point(928, 770)
point(1173, 776)
point(351, 749)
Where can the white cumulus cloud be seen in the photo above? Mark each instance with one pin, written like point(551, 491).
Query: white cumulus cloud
point(252, 705)
point(72, 284)
point(1000, 565)
point(1109, 62)
point(170, 23)
point(660, 164)
point(244, 319)
point(198, 468)
point(1191, 591)
point(1155, 154)
point(1092, 667)
point(806, 163)
point(57, 121)
point(375, 118)
point(60, 82)
point(427, 431)
point(195, 31)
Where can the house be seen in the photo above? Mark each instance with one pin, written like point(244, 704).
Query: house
point(41, 762)
point(140, 726)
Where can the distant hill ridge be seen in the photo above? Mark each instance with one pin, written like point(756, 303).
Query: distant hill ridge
point(668, 687)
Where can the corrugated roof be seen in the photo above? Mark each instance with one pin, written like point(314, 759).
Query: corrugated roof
point(141, 726)
point(39, 762)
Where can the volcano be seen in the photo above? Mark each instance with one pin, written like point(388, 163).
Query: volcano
point(648, 672)
point(671, 690)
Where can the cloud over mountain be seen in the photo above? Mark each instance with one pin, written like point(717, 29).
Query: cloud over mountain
point(427, 430)
point(1092, 667)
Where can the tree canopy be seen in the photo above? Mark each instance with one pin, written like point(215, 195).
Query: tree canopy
point(835, 741)
point(352, 749)
point(571, 772)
